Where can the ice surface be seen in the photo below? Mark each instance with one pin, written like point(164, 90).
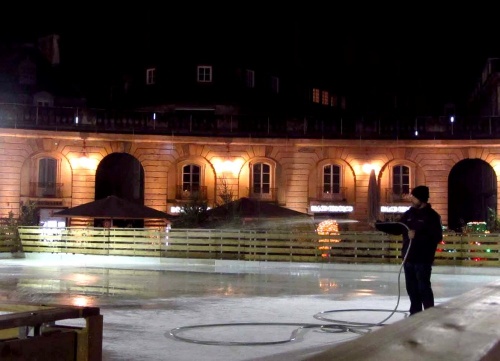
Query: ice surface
point(188, 310)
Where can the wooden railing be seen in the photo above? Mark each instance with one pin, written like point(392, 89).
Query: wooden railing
point(254, 245)
point(7, 238)
point(96, 241)
point(461, 329)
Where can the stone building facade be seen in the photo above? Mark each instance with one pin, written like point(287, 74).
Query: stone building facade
point(291, 172)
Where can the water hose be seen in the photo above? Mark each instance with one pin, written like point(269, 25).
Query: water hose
point(334, 326)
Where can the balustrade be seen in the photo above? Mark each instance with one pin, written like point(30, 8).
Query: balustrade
point(338, 195)
point(45, 190)
point(193, 192)
point(347, 126)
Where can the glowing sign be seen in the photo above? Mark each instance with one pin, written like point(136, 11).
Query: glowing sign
point(178, 209)
point(394, 209)
point(331, 208)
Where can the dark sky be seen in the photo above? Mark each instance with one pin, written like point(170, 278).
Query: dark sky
point(443, 51)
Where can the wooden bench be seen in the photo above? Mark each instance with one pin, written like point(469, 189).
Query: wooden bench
point(466, 328)
point(30, 332)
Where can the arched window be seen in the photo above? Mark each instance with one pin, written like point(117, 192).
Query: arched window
point(261, 180)
point(400, 180)
point(191, 175)
point(331, 179)
point(47, 177)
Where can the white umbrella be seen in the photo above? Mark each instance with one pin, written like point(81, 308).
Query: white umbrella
point(373, 198)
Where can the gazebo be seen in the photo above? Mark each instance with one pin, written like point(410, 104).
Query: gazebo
point(254, 213)
point(113, 208)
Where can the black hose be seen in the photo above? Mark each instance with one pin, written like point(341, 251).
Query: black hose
point(335, 326)
point(302, 327)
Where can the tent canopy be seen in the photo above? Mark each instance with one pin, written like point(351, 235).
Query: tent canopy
point(113, 207)
point(252, 208)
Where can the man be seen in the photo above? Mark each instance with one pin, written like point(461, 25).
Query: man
point(419, 248)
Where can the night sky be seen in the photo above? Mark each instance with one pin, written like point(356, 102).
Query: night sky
point(441, 50)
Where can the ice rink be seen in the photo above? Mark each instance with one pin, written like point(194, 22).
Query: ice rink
point(185, 310)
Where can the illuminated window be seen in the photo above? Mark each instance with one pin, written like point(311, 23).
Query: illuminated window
point(324, 97)
point(150, 76)
point(204, 74)
point(315, 95)
point(47, 173)
point(331, 179)
point(250, 78)
point(333, 100)
point(275, 84)
point(261, 178)
point(400, 180)
point(191, 178)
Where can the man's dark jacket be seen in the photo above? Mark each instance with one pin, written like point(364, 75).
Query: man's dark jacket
point(426, 223)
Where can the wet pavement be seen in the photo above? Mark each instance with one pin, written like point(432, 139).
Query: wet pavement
point(223, 310)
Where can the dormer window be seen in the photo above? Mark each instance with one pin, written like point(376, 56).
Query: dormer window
point(325, 97)
point(343, 102)
point(333, 100)
point(275, 84)
point(315, 95)
point(204, 74)
point(150, 76)
point(250, 78)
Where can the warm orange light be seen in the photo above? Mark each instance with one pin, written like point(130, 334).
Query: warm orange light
point(327, 228)
point(368, 167)
point(82, 279)
point(85, 162)
point(327, 285)
point(81, 301)
point(232, 166)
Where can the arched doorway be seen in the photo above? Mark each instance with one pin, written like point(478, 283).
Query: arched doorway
point(122, 175)
point(472, 191)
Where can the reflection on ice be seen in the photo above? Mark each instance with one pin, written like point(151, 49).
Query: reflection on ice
point(142, 302)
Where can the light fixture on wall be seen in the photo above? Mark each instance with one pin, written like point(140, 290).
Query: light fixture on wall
point(227, 165)
point(368, 167)
point(84, 159)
